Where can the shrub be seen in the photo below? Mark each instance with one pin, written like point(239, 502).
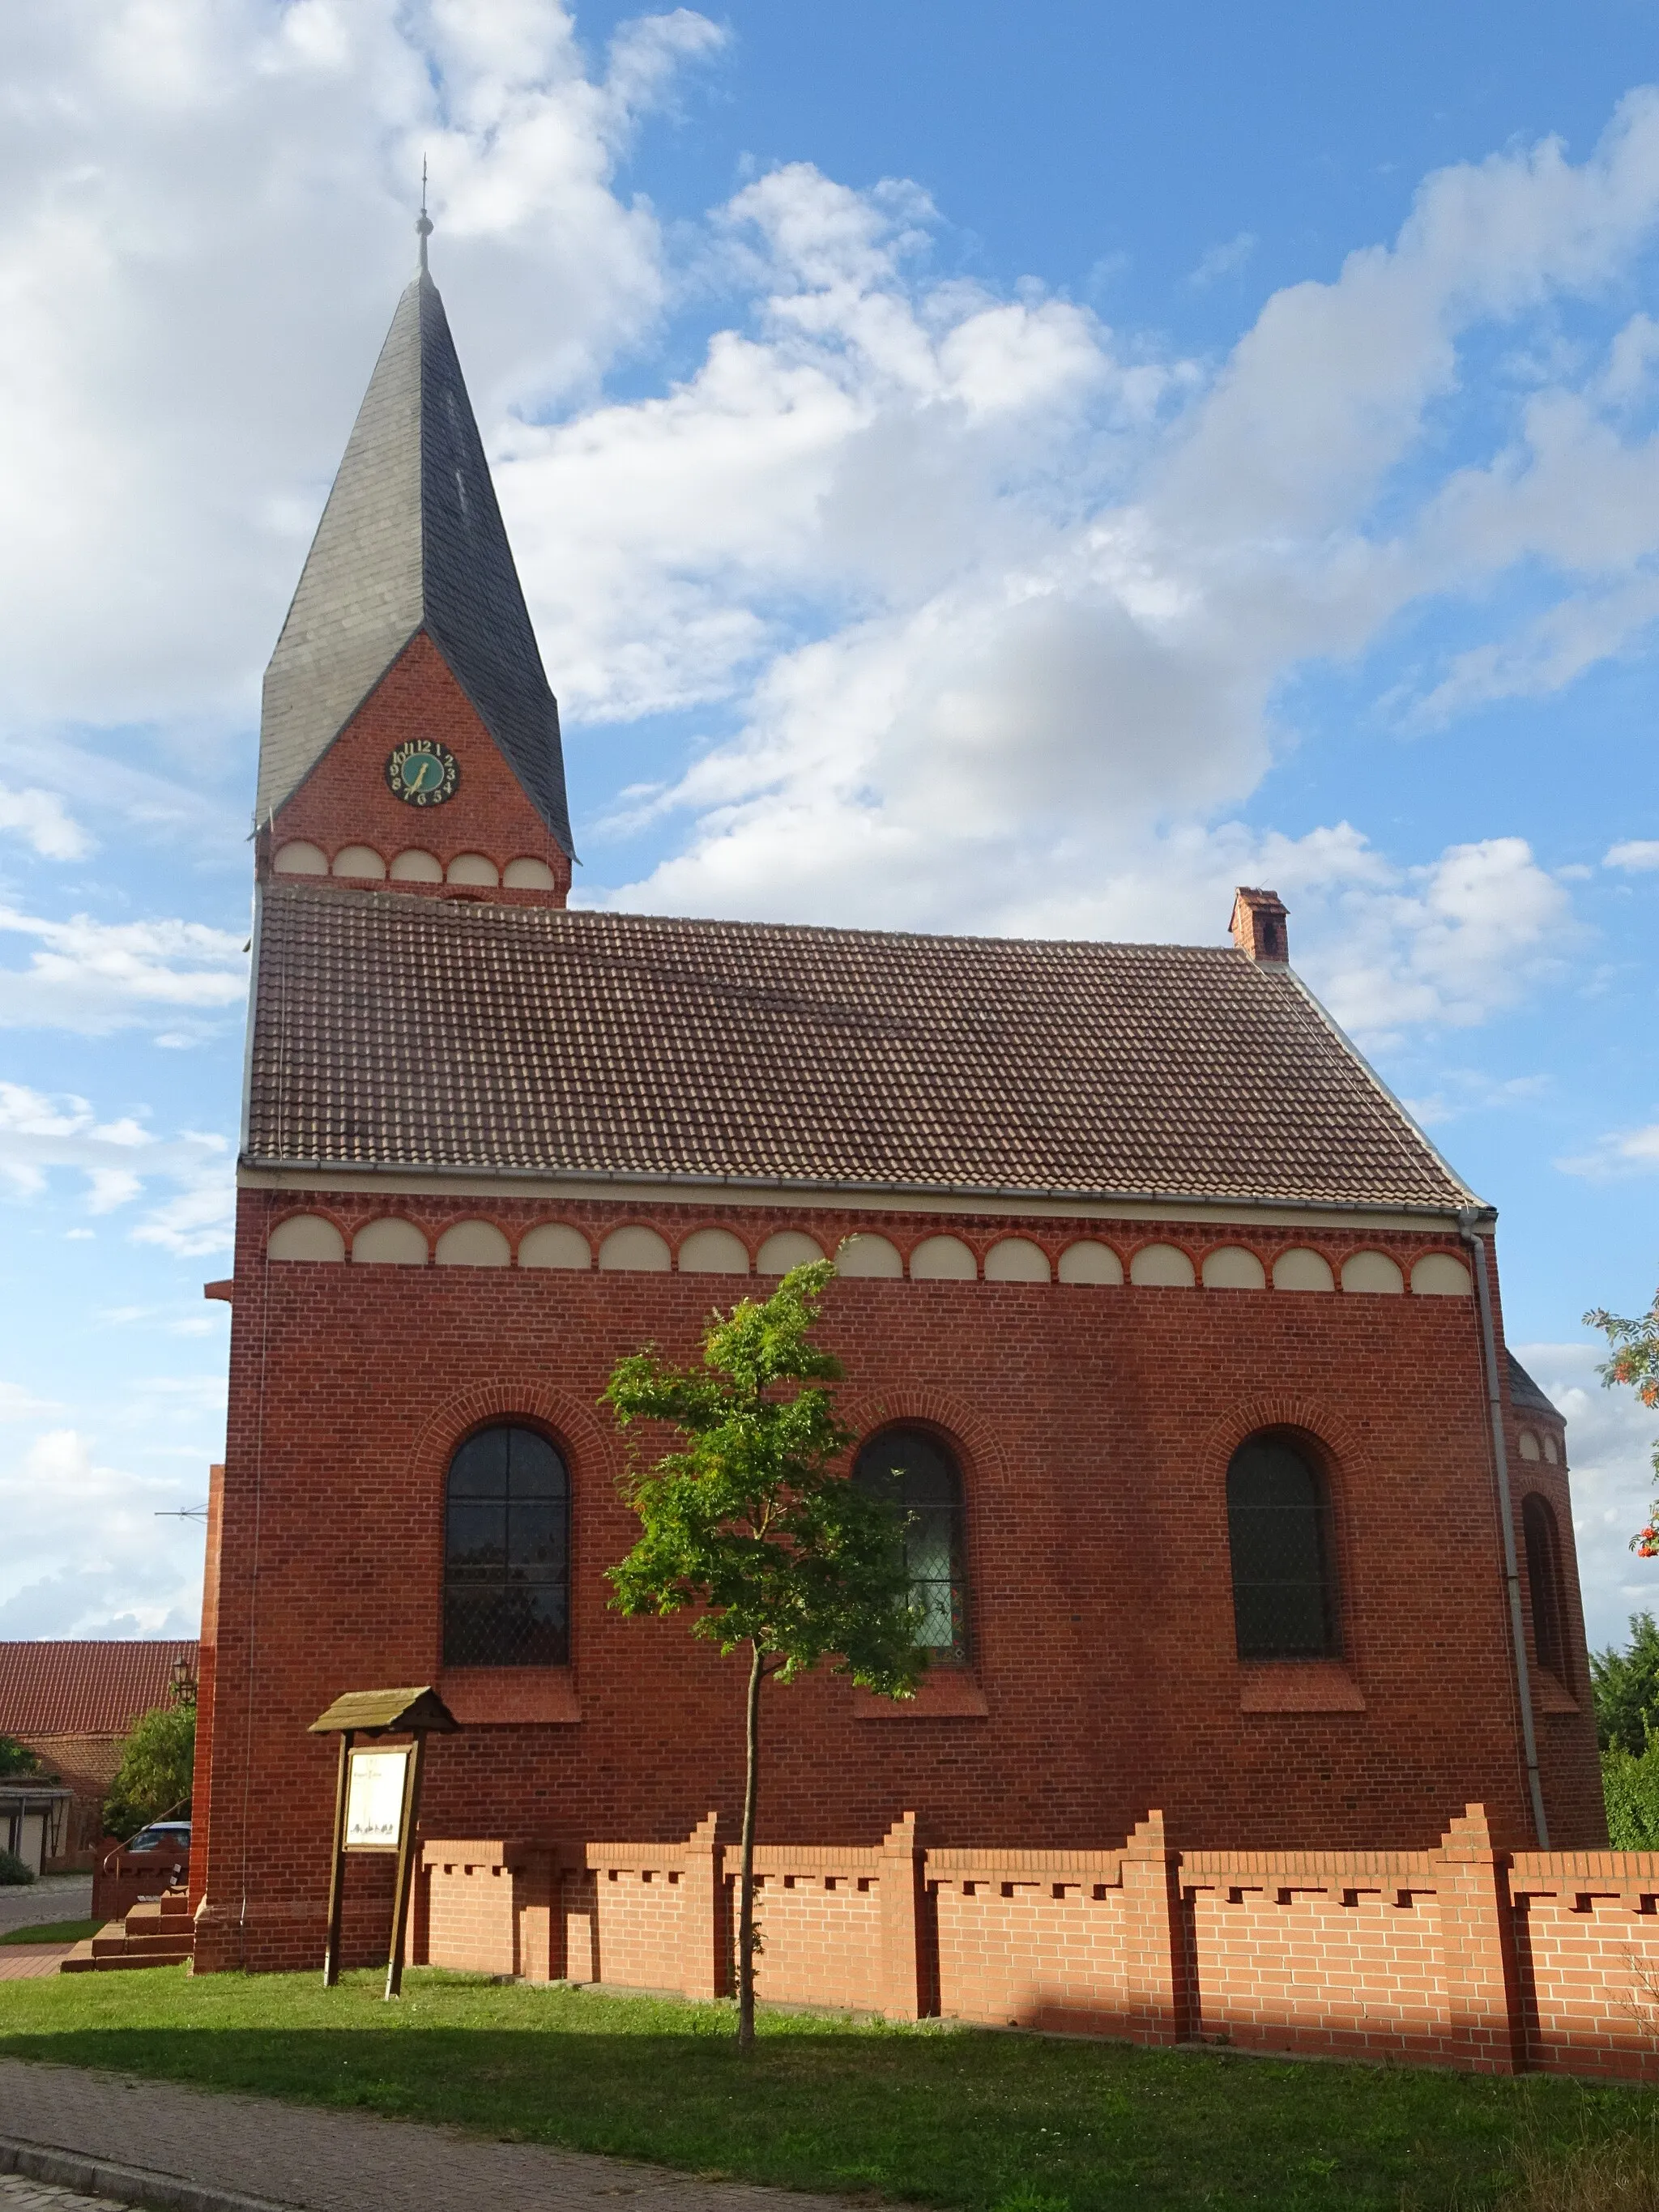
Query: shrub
point(1630, 1783)
point(13, 1872)
point(153, 1778)
point(16, 1758)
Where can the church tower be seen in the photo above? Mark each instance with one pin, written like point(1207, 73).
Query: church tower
point(409, 737)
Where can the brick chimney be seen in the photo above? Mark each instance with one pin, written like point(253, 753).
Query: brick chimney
point(1259, 925)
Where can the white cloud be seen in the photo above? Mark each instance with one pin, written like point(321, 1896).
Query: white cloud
point(208, 212)
point(119, 1161)
point(1636, 856)
point(999, 599)
point(1628, 1151)
point(1218, 261)
point(1610, 1439)
point(18, 1404)
point(40, 817)
point(85, 1553)
point(97, 976)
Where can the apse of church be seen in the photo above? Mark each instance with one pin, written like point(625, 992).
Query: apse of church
point(1186, 1341)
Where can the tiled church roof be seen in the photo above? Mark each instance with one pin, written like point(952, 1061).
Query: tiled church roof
point(411, 538)
point(400, 1031)
point(85, 1687)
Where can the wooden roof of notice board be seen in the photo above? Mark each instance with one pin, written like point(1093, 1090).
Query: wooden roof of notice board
point(375, 1712)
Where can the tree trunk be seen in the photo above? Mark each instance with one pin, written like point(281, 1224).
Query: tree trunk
point(747, 1873)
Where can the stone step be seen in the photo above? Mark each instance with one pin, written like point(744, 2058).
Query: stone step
point(173, 1958)
point(79, 1959)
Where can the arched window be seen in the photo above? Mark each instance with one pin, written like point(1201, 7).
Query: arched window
point(1544, 1583)
point(915, 1472)
point(1277, 1526)
point(506, 1531)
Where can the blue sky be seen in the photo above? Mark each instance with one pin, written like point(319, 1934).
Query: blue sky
point(971, 468)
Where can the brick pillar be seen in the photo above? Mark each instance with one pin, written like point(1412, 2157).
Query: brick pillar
point(1155, 1990)
point(702, 1906)
point(538, 1927)
point(1478, 1938)
point(906, 1976)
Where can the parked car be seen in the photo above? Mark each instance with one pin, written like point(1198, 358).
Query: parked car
point(162, 1836)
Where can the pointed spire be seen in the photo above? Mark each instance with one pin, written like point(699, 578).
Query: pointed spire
point(412, 539)
point(423, 222)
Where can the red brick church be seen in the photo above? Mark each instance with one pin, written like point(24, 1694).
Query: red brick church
point(1228, 1499)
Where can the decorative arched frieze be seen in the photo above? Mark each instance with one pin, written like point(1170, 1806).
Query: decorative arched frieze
point(1163, 1267)
point(472, 1244)
point(1017, 1260)
point(713, 1252)
point(1302, 1269)
point(390, 1240)
point(943, 1258)
point(1230, 1267)
point(636, 1249)
point(309, 1235)
point(1086, 1259)
point(786, 1248)
point(361, 862)
point(1441, 1275)
point(555, 1244)
point(1372, 1273)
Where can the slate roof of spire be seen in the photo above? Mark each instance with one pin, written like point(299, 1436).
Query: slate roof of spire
point(1525, 1395)
point(397, 1031)
point(411, 537)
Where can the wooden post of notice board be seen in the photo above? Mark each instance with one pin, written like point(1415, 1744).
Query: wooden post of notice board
point(364, 1820)
point(337, 1866)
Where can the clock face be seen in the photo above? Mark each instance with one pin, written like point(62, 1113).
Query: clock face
point(424, 773)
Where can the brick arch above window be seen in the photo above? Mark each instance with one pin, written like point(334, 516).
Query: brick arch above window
point(589, 1448)
point(1339, 1443)
point(970, 1437)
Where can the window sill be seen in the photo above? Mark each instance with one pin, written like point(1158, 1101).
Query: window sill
point(481, 1696)
point(943, 1693)
point(1554, 1695)
point(1297, 1686)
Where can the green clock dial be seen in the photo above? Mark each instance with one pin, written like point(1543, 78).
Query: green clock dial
point(424, 773)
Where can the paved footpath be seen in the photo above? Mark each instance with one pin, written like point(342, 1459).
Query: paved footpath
point(31, 1962)
point(19, 2194)
point(174, 2149)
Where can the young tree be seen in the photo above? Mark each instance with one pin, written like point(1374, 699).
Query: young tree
point(154, 1777)
point(1635, 1347)
point(751, 1524)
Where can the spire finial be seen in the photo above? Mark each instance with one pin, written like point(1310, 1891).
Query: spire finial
point(423, 222)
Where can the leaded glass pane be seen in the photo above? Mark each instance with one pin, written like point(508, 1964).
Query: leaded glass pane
point(916, 1474)
point(507, 1544)
point(1283, 1601)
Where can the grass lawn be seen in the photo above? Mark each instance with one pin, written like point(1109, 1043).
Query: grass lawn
point(53, 1931)
point(945, 2117)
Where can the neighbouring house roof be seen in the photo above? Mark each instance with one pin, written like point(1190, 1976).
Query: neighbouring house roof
point(1525, 1395)
point(78, 1687)
point(401, 1032)
point(412, 539)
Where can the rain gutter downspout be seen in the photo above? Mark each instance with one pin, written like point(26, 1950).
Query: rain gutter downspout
point(1466, 1219)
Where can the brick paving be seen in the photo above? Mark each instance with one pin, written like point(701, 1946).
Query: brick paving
point(308, 2160)
point(31, 1962)
point(19, 2194)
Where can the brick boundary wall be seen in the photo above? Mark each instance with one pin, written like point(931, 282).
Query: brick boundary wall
point(1460, 1955)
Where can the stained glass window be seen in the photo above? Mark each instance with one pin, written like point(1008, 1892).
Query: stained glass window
point(915, 1472)
point(507, 1544)
point(1283, 1603)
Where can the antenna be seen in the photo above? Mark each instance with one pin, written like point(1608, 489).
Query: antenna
point(423, 222)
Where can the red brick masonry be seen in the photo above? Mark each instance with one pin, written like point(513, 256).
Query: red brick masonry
point(1462, 1955)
